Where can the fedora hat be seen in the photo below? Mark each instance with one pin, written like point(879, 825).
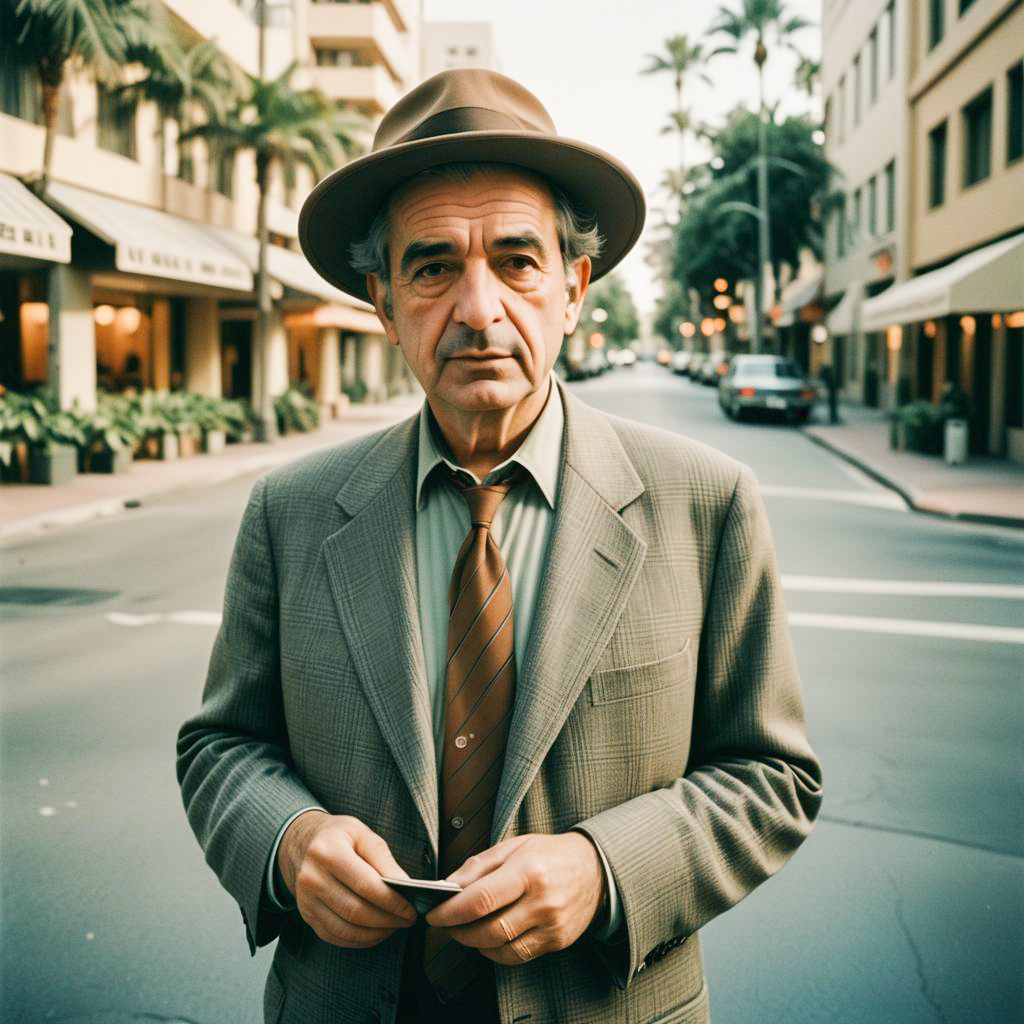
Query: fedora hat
point(469, 114)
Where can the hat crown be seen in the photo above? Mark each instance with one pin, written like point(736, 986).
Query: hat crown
point(462, 100)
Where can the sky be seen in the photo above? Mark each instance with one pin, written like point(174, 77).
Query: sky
point(582, 59)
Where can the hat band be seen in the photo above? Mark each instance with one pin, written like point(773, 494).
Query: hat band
point(461, 119)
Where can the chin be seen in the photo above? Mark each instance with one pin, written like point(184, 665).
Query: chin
point(487, 395)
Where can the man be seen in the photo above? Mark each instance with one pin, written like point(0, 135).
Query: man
point(513, 641)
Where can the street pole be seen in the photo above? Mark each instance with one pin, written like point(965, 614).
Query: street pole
point(764, 251)
point(267, 425)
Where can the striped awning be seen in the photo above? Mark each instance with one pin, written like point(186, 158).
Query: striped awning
point(151, 242)
point(28, 227)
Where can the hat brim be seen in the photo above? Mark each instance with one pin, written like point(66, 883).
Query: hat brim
point(340, 210)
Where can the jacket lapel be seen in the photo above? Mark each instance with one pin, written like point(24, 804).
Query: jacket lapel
point(371, 565)
point(593, 562)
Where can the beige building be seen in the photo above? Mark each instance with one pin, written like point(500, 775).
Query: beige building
point(138, 269)
point(458, 44)
point(935, 297)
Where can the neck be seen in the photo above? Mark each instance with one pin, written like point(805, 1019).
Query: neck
point(481, 441)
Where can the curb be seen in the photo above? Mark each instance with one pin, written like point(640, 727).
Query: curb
point(915, 499)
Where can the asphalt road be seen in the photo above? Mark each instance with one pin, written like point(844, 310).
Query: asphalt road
point(906, 904)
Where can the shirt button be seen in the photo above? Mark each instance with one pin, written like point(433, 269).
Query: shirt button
point(457, 822)
point(460, 742)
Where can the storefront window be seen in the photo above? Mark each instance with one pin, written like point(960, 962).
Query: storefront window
point(115, 121)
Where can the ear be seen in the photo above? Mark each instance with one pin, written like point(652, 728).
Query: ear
point(378, 291)
point(574, 296)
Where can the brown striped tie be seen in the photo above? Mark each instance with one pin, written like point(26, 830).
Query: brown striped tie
point(480, 681)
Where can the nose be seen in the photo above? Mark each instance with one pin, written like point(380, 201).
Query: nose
point(478, 303)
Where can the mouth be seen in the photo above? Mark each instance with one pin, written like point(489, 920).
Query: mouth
point(481, 357)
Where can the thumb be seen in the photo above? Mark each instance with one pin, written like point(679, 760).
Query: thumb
point(376, 852)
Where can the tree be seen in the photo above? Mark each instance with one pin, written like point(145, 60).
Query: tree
point(755, 19)
point(808, 72)
point(716, 239)
point(286, 127)
point(680, 58)
point(48, 34)
point(177, 80)
point(619, 324)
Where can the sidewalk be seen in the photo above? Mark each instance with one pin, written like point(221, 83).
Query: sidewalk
point(984, 489)
point(28, 508)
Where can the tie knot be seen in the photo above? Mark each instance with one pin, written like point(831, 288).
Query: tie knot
point(483, 499)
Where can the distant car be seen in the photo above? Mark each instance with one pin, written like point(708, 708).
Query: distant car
point(680, 362)
point(771, 383)
point(711, 368)
point(595, 362)
point(627, 357)
point(693, 366)
point(664, 357)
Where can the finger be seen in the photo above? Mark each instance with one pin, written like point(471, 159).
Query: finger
point(353, 908)
point(486, 861)
point(521, 950)
point(357, 875)
point(334, 929)
point(487, 895)
point(497, 929)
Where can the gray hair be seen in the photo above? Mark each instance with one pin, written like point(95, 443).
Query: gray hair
point(577, 232)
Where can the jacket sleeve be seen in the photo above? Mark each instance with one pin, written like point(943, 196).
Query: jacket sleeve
point(752, 788)
point(237, 781)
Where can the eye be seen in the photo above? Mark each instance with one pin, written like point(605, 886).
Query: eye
point(519, 263)
point(431, 270)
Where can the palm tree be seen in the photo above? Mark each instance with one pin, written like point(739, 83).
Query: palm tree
point(49, 33)
point(286, 127)
point(755, 19)
point(178, 79)
point(680, 58)
point(808, 71)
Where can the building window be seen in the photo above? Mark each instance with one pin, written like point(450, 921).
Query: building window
point(936, 22)
point(841, 228)
point(890, 19)
point(890, 195)
point(827, 124)
point(977, 119)
point(855, 220)
point(873, 64)
point(964, 4)
point(331, 57)
point(872, 222)
point(223, 170)
point(1015, 112)
point(115, 121)
point(937, 165)
point(856, 90)
point(21, 94)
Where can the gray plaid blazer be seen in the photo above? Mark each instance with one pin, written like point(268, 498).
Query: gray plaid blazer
point(658, 710)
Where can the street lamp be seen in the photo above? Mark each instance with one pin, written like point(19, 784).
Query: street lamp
point(599, 315)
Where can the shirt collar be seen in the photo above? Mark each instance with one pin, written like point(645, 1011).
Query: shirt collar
point(540, 454)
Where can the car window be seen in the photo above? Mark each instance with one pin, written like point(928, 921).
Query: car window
point(768, 367)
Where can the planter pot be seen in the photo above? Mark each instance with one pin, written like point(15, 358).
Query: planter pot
point(214, 441)
point(188, 444)
point(56, 464)
point(244, 437)
point(110, 462)
point(17, 471)
point(161, 446)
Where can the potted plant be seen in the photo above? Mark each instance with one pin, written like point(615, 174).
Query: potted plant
point(157, 432)
point(921, 425)
point(212, 418)
point(53, 457)
point(296, 410)
point(21, 418)
point(182, 409)
point(110, 437)
point(238, 420)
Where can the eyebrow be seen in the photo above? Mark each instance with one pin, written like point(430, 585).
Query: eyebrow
point(425, 250)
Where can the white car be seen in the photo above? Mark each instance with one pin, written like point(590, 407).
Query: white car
point(766, 382)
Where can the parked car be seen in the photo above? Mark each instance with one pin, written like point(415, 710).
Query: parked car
point(771, 383)
point(680, 362)
point(595, 362)
point(711, 368)
point(693, 366)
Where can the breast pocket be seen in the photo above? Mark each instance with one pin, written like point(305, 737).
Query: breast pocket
point(634, 682)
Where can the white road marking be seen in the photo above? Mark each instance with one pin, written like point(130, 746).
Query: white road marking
point(905, 588)
point(124, 619)
point(47, 812)
point(910, 627)
point(194, 618)
point(871, 499)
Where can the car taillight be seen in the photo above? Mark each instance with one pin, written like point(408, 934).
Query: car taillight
point(748, 392)
point(808, 393)
point(722, 369)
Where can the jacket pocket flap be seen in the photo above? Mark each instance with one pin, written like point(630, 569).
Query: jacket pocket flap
point(617, 684)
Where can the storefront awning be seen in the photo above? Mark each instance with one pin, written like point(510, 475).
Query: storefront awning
point(345, 318)
point(795, 296)
point(292, 270)
point(988, 280)
point(28, 227)
point(843, 319)
point(151, 242)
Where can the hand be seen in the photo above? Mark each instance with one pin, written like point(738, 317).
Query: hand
point(332, 866)
point(525, 897)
